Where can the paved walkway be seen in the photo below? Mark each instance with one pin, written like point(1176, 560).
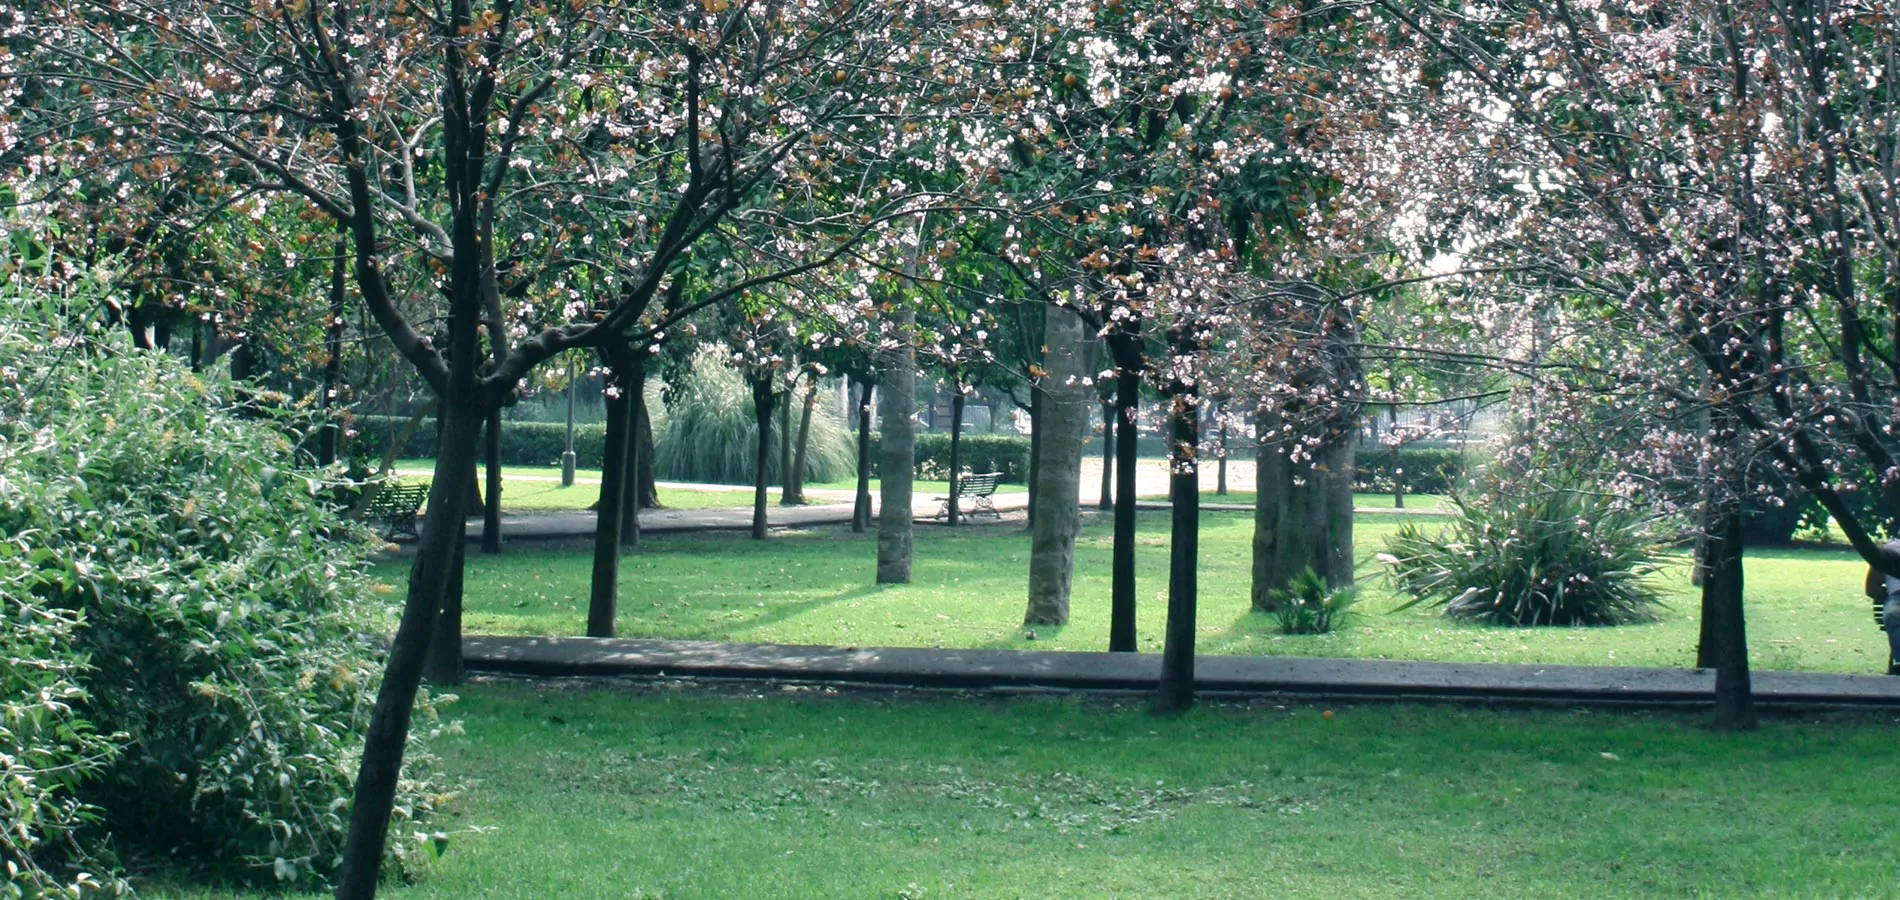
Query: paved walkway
point(1258, 675)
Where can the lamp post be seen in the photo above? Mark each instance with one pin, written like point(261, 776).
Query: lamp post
point(567, 457)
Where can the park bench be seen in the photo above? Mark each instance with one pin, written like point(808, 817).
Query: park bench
point(397, 504)
point(978, 489)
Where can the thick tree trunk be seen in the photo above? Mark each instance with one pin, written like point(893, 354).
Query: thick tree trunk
point(1056, 506)
point(1107, 498)
point(1176, 691)
point(604, 589)
point(387, 738)
point(795, 477)
point(649, 489)
point(491, 504)
point(861, 511)
point(956, 451)
point(445, 647)
point(1302, 512)
point(762, 402)
point(1121, 617)
point(1722, 597)
point(897, 463)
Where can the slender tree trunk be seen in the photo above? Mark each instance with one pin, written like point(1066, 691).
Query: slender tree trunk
point(1220, 483)
point(1064, 417)
point(1036, 401)
point(387, 738)
point(1722, 596)
point(956, 450)
point(643, 455)
point(1176, 691)
point(795, 477)
point(636, 379)
point(328, 439)
point(1107, 499)
point(785, 446)
point(762, 402)
point(861, 511)
point(897, 462)
point(1121, 622)
point(491, 504)
point(604, 589)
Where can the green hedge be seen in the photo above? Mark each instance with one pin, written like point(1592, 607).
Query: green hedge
point(522, 443)
point(1005, 453)
point(1425, 470)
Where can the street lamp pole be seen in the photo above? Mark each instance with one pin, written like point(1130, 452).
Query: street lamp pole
point(567, 458)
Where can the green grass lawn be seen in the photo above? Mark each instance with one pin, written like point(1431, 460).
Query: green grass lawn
point(815, 587)
point(683, 794)
point(530, 489)
point(1359, 500)
point(917, 487)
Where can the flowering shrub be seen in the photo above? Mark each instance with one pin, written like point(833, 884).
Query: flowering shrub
point(229, 633)
point(1531, 553)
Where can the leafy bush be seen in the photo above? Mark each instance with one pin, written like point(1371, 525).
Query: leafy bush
point(1307, 605)
point(1531, 554)
point(50, 749)
point(231, 631)
point(709, 433)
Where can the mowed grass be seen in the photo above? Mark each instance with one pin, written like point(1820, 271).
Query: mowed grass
point(969, 587)
point(1359, 500)
point(589, 793)
point(534, 489)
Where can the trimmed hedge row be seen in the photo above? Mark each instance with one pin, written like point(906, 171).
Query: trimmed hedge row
point(541, 443)
point(522, 443)
point(1005, 453)
point(1423, 470)
point(1426, 470)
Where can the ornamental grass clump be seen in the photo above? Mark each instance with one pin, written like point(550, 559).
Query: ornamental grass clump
point(1308, 605)
point(184, 614)
point(708, 432)
point(1532, 554)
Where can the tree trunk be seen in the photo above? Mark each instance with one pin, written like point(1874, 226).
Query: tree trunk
point(1272, 480)
point(328, 438)
point(1220, 483)
point(897, 463)
point(861, 511)
point(1338, 549)
point(1722, 598)
point(785, 445)
point(1036, 401)
point(604, 589)
point(635, 379)
point(445, 648)
point(762, 402)
point(1056, 506)
point(1176, 691)
point(491, 504)
point(387, 737)
point(1107, 499)
point(1121, 620)
point(643, 456)
point(956, 450)
point(795, 477)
